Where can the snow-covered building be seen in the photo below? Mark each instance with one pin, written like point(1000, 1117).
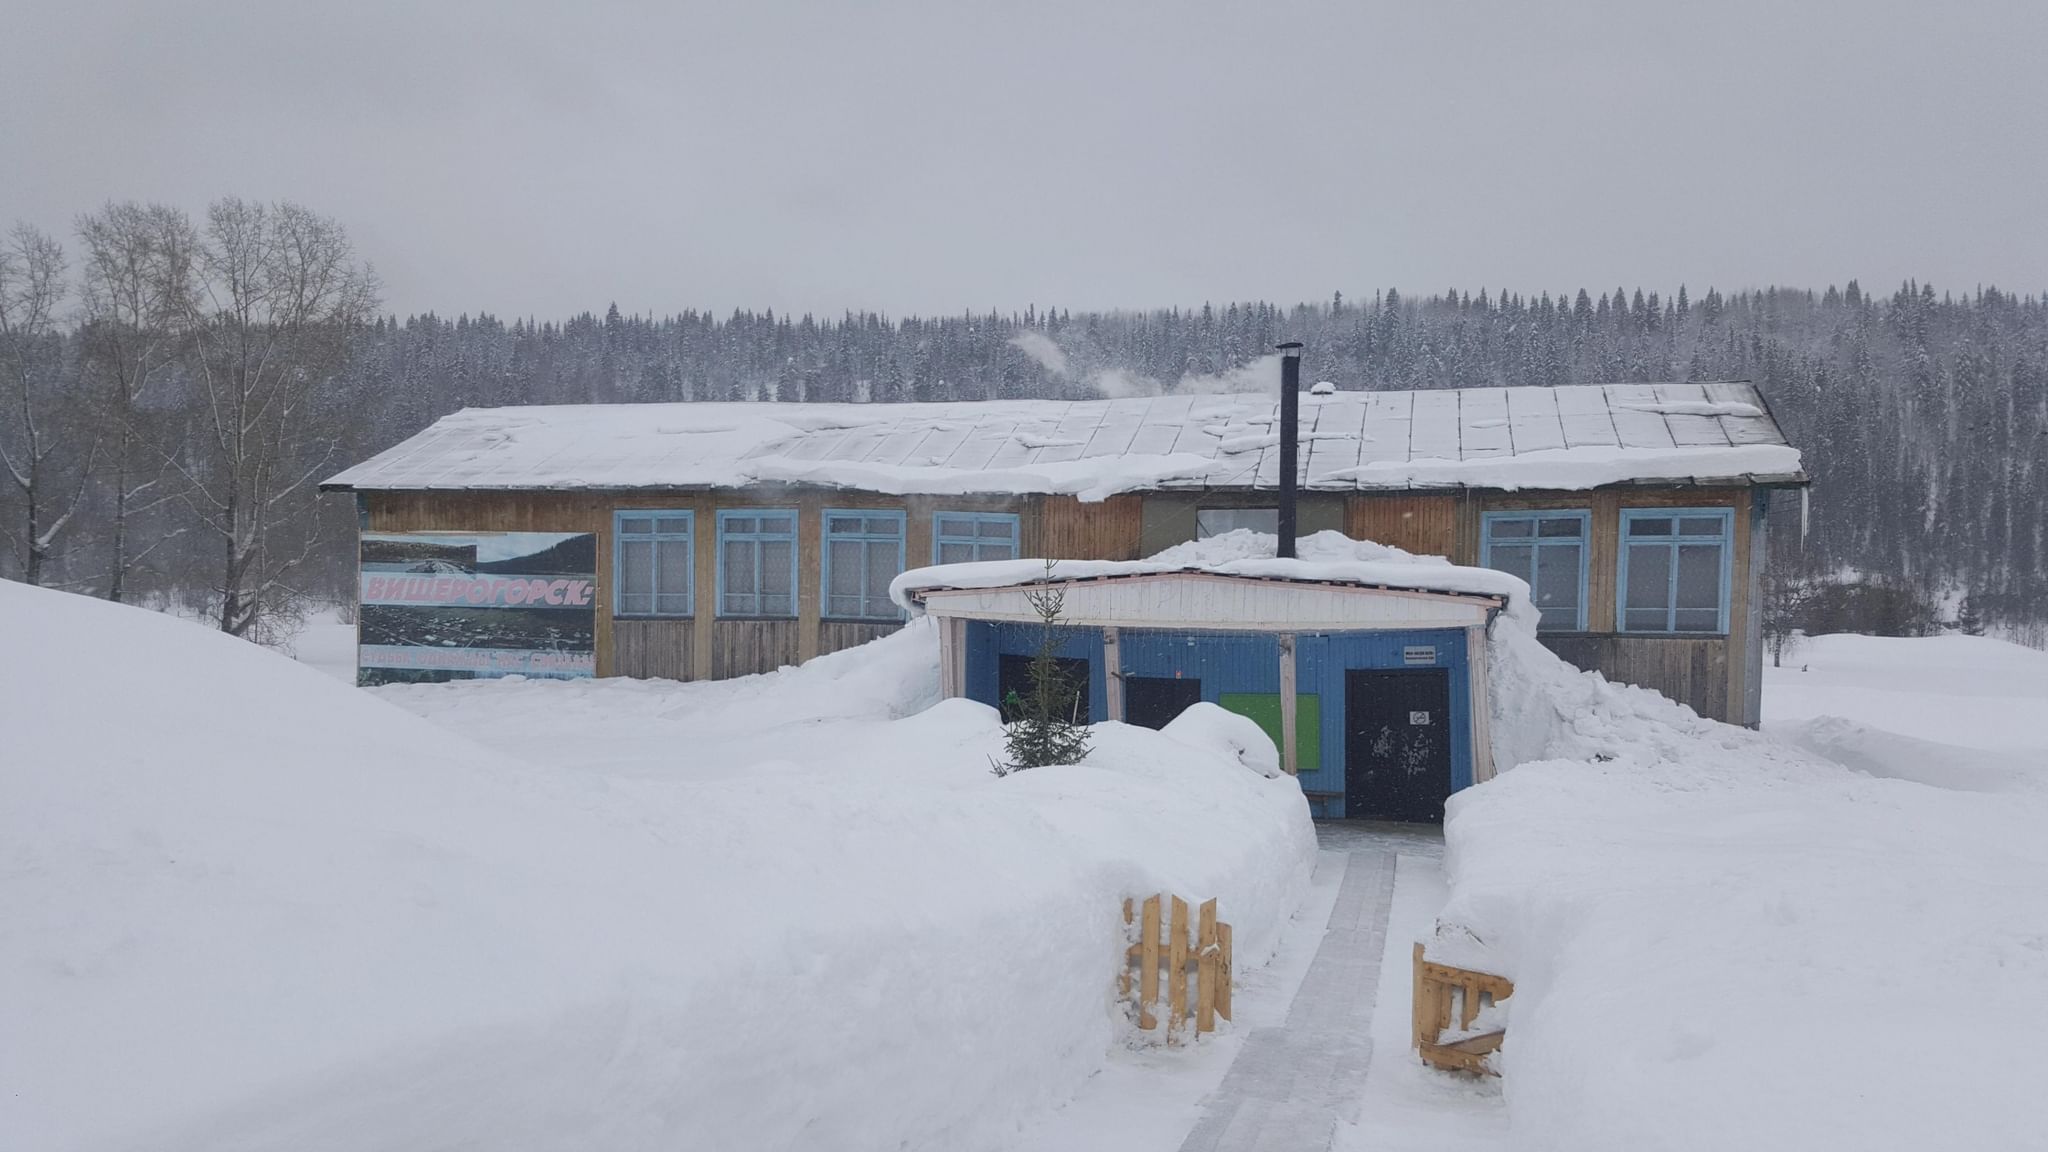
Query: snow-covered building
point(1366, 665)
point(715, 540)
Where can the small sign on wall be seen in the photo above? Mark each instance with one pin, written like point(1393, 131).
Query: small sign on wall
point(1418, 654)
point(1418, 718)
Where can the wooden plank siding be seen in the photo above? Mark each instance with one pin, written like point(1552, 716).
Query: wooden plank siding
point(655, 648)
point(1063, 527)
point(836, 635)
point(1426, 525)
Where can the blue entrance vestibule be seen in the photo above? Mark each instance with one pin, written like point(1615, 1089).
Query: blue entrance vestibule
point(1373, 694)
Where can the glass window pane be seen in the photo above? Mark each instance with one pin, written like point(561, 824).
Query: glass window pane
point(842, 525)
point(1649, 526)
point(998, 552)
point(636, 525)
point(882, 568)
point(955, 553)
point(1509, 529)
point(742, 524)
point(1700, 526)
point(884, 526)
point(1216, 521)
point(1557, 586)
point(672, 604)
point(738, 604)
point(843, 561)
point(1560, 526)
point(1649, 578)
point(1001, 529)
point(1514, 558)
point(1699, 620)
point(775, 555)
point(955, 526)
point(1644, 620)
point(739, 567)
point(636, 603)
point(672, 524)
point(672, 567)
point(1699, 576)
point(771, 525)
point(636, 567)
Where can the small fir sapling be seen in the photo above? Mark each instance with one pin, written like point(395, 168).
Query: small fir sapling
point(1042, 728)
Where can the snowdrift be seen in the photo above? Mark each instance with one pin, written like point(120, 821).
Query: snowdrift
point(1720, 940)
point(242, 906)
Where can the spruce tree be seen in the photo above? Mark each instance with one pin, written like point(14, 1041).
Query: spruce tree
point(1044, 729)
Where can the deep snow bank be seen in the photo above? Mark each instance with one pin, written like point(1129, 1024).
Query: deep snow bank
point(1722, 941)
point(243, 906)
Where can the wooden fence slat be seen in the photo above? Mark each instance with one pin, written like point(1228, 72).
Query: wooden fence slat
point(1205, 968)
point(1123, 978)
point(1226, 971)
point(1148, 959)
point(1177, 971)
point(1435, 987)
point(1201, 951)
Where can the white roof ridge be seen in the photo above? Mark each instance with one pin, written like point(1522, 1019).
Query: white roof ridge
point(1491, 437)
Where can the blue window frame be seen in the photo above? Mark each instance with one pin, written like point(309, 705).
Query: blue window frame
point(962, 537)
point(863, 553)
point(1675, 569)
point(653, 562)
point(1547, 549)
point(757, 562)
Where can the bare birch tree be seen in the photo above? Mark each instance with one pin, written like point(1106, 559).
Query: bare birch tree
point(137, 294)
point(38, 436)
point(281, 296)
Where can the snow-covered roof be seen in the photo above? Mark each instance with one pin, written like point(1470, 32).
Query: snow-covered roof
point(1507, 438)
point(1324, 558)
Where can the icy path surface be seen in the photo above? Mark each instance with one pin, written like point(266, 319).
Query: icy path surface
point(1310, 1082)
point(1291, 1085)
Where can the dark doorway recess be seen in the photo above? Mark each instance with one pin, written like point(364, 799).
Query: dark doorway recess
point(1013, 675)
point(1397, 744)
point(1152, 701)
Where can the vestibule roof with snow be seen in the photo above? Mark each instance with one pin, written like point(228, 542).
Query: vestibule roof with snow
point(1228, 583)
point(1568, 438)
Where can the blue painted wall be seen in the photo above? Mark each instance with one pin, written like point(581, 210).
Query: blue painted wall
point(1247, 662)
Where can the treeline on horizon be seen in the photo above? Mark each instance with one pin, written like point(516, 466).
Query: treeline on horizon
point(1923, 415)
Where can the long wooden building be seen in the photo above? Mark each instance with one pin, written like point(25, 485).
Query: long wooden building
point(702, 541)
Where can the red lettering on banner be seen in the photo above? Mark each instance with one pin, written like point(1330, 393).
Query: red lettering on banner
point(555, 590)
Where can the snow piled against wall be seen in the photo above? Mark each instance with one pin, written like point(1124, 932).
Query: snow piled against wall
point(243, 906)
point(1720, 940)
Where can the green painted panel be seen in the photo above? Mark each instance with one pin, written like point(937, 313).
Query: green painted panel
point(1263, 709)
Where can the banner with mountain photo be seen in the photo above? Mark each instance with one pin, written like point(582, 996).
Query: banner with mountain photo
point(440, 606)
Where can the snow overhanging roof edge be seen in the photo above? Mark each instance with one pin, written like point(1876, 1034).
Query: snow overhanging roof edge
point(1506, 439)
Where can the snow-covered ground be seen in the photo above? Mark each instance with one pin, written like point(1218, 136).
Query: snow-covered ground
point(244, 906)
point(1721, 939)
point(1954, 711)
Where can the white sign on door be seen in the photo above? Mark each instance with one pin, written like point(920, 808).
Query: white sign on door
point(1418, 718)
point(1418, 654)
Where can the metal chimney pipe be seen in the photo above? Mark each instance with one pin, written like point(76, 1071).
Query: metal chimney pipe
point(1290, 423)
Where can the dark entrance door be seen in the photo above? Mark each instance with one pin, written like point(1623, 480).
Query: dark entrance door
point(1013, 675)
point(1397, 743)
point(1151, 701)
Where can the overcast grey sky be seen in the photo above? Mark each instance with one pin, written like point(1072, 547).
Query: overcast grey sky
point(522, 157)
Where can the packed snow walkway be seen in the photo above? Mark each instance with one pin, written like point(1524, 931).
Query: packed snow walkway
point(1291, 1086)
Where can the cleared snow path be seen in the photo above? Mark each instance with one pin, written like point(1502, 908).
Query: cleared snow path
point(1291, 1085)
